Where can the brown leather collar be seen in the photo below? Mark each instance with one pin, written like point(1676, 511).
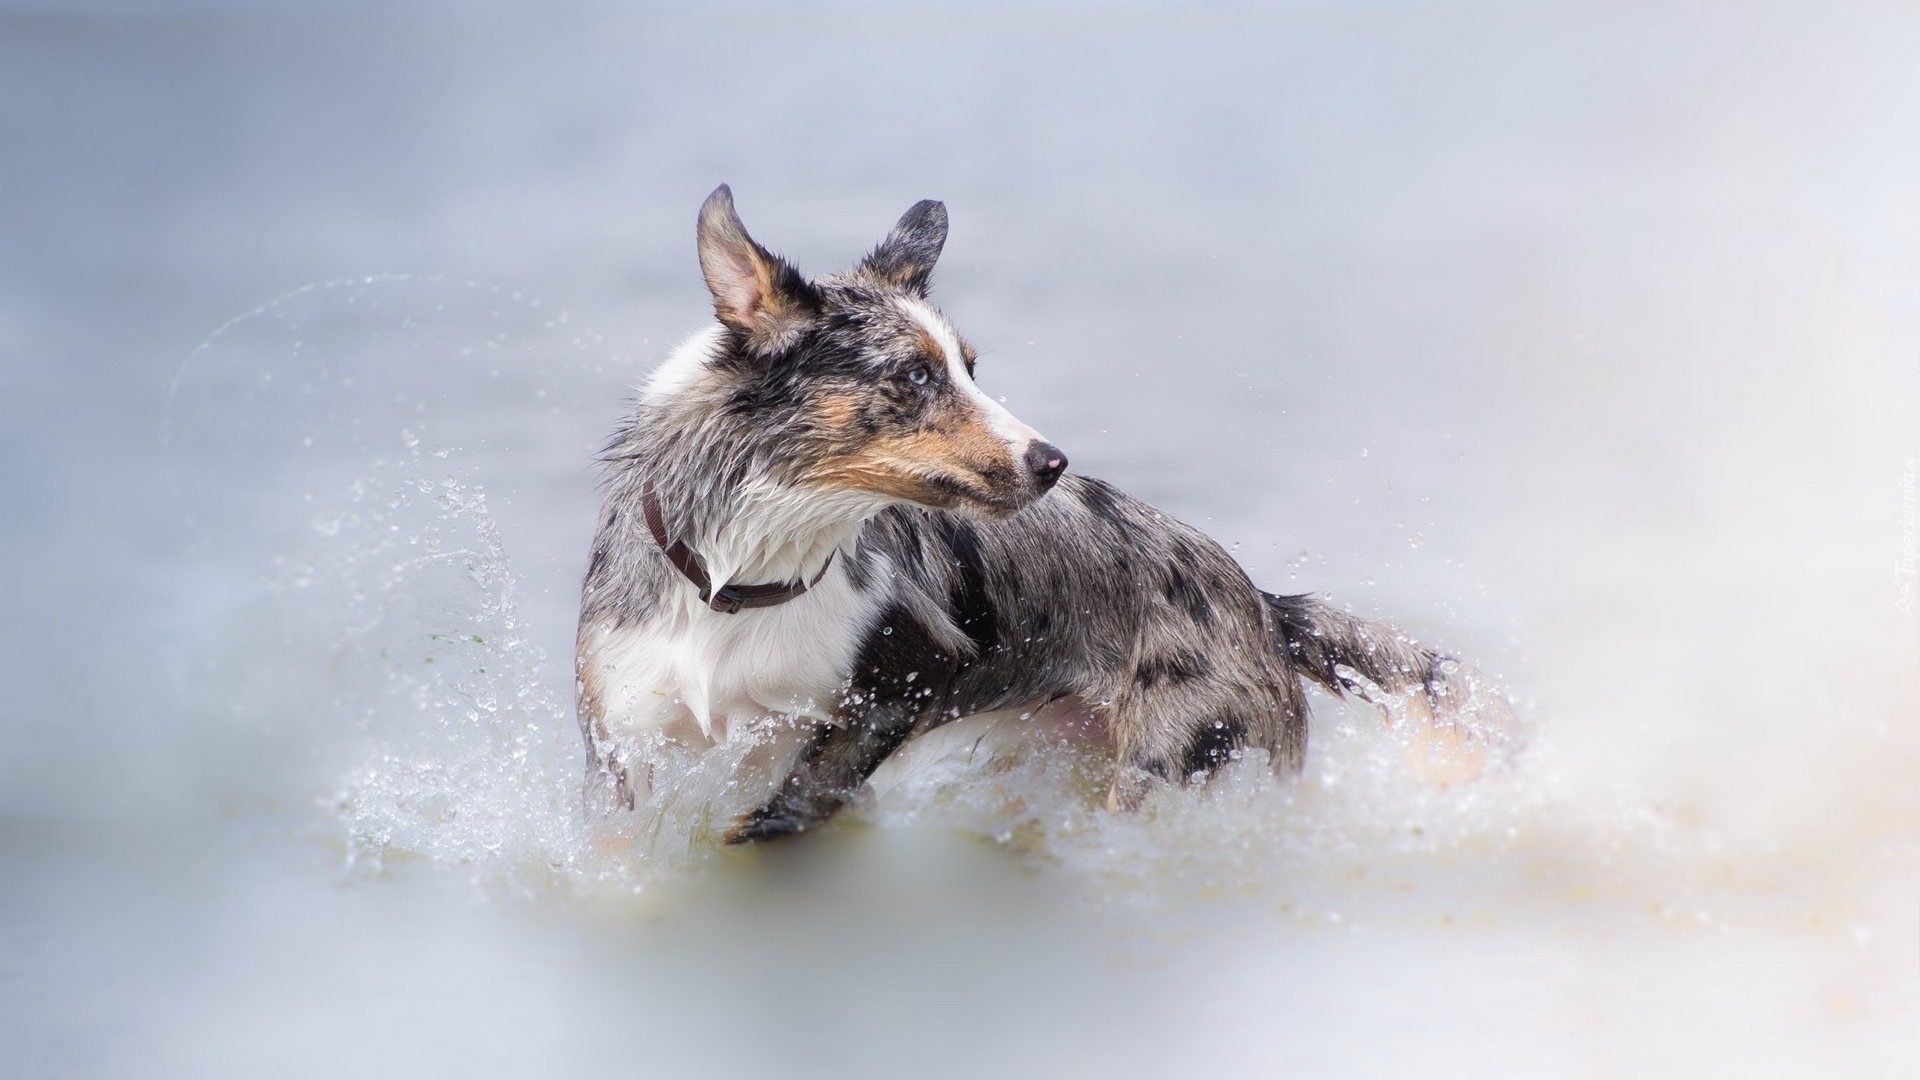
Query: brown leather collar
point(728, 599)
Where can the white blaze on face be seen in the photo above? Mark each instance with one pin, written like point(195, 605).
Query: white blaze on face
point(1003, 423)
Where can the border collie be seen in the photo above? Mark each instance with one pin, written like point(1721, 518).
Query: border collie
point(814, 514)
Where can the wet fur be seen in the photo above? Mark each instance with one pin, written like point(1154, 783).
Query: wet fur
point(800, 429)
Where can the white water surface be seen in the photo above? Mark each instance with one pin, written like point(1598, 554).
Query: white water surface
point(1578, 340)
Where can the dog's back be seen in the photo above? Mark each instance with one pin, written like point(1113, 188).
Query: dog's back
point(1093, 594)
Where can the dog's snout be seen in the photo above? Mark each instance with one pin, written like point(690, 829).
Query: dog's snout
point(1046, 462)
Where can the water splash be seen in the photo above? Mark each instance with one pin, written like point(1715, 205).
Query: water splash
point(365, 423)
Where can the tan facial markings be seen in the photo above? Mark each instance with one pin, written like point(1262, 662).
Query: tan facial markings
point(837, 413)
point(951, 455)
point(928, 348)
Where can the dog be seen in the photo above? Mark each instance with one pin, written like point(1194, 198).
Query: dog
point(814, 513)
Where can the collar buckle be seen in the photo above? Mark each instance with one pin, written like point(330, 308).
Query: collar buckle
point(726, 600)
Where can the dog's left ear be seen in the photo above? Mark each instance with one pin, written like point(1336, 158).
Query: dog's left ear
point(755, 292)
point(905, 258)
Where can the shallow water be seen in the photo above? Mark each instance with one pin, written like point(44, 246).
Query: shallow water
point(1578, 342)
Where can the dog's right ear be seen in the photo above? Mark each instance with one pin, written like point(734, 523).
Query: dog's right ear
point(755, 292)
point(905, 258)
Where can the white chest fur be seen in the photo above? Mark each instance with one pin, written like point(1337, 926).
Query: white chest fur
point(719, 670)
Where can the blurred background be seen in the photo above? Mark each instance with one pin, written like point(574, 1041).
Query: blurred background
point(1581, 340)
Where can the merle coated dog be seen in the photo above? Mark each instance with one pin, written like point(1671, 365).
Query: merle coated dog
point(814, 513)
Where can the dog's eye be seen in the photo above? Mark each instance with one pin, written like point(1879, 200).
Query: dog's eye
point(918, 376)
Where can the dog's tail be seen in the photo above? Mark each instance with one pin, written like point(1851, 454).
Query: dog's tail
point(1391, 671)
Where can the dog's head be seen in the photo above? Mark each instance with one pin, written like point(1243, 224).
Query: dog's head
point(862, 384)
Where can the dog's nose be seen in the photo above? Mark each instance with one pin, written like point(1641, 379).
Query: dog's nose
point(1046, 461)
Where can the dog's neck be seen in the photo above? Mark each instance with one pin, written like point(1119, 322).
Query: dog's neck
point(780, 533)
point(720, 498)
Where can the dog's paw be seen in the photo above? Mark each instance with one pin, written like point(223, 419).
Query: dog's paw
point(765, 824)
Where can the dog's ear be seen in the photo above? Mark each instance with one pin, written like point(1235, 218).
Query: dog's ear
point(905, 258)
point(754, 291)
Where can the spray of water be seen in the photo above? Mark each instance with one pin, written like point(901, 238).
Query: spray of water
point(341, 443)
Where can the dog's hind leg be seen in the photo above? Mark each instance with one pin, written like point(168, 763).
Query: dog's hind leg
point(1179, 733)
point(1162, 751)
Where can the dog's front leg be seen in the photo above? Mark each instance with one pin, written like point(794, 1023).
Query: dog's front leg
point(830, 770)
point(900, 677)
